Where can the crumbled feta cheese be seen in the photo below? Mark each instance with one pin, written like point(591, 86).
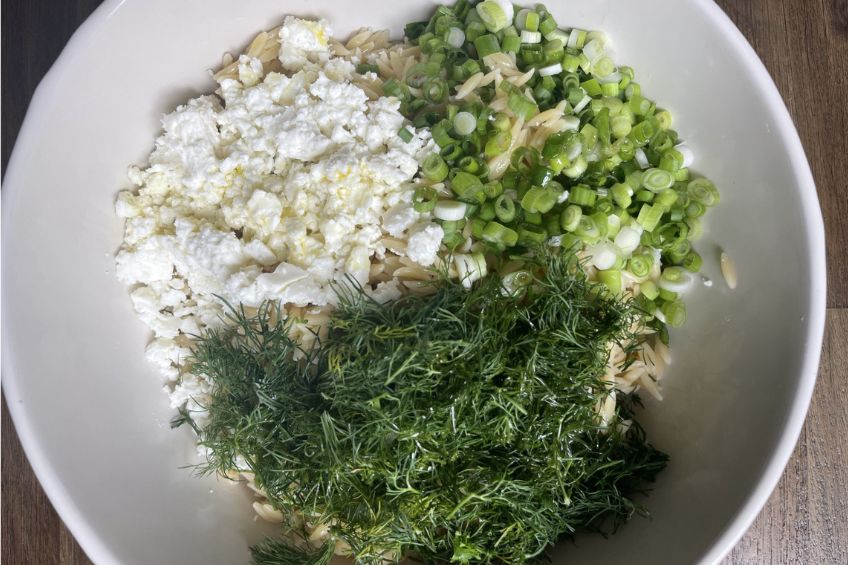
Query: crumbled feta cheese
point(277, 189)
point(423, 244)
point(249, 70)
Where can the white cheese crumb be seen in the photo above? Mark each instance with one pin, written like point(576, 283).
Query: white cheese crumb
point(277, 189)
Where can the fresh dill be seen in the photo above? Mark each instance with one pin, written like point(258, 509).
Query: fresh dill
point(459, 427)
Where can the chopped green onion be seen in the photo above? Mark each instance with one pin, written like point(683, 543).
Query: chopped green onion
point(611, 278)
point(640, 265)
point(453, 240)
point(704, 191)
point(656, 180)
point(570, 218)
point(649, 289)
point(649, 216)
point(620, 126)
point(642, 132)
point(405, 135)
point(455, 37)
point(527, 20)
point(692, 261)
point(530, 37)
point(577, 168)
point(531, 235)
point(493, 189)
point(622, 194)
point(696, 228)
point(678, 251)
point(487, 44)
point(498, 143)
point(435, 168)
point(587, 229)
point(511, 44)
point(514, 283)
point(487, 211)
point(440, 134)
point(477, 226)
point(550, 70)
point(469, 164)
point(500, 234)
point(547, 25)
point(464, 123)
point(449, 210)
point(521, 106)
point(666, 198)
point(674, 313)
point(492, 15)
point(505, 208)
point(424, 199)
point(675, 279)
point(664, 119)
point(582, 195)
point(538, 199)
point(466, 185)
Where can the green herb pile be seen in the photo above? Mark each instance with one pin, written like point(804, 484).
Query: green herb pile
point(459, 427)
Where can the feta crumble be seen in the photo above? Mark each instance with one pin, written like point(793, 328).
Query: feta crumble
point(273, 189)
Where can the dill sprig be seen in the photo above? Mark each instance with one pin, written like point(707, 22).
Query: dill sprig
point(458, 427)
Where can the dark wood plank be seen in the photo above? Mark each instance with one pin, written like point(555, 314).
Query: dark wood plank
point(30, 526)
point(804, 44)
point(806, 518)
point(33, 35)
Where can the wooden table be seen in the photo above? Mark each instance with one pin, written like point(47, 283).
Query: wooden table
point(804, 44)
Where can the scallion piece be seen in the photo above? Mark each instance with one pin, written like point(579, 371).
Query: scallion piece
point(570, 217)
point(622, 194)
point(455, 37)
point(530, 37)
point(656, 180)
point(504, 208)
point(499, 234)
point(674, 313)
point(531, 235)
point(621, 126)
point(640, 265)
point(550, 70)
point(441, 135)
point(521, 106)
point(650, 290)
point(511, 44)
point(703, 191)
point(424, 199)
point(405, 135)
point(492, 15)
point(692, 262)
point(538, 199)
point(435, 168)
point(696, 228)
point(453, 240)
point(577, 168)
point(547, 25)
point(611, 278)
point(487, 44)
point(466, 185)
point(587, 229)
point(464, 123)
point(649, 216)
point(582, 195)
point(498, 144)
point(449, 210)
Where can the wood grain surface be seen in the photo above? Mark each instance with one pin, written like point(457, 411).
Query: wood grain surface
point(804, 45)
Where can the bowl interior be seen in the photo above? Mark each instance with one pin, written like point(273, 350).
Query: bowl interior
point(89, 408)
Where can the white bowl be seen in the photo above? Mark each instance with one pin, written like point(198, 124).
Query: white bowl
point(89, 409)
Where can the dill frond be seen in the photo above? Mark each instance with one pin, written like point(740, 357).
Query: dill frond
point(456, 427)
